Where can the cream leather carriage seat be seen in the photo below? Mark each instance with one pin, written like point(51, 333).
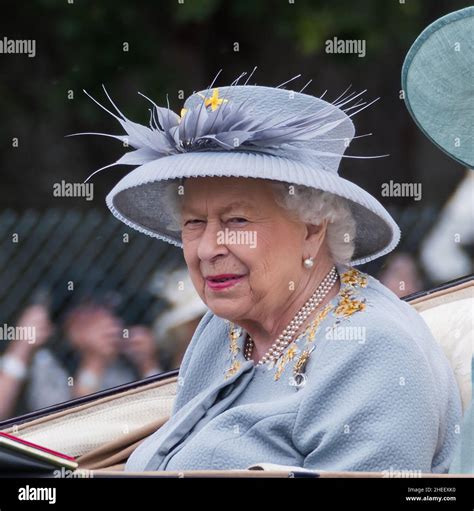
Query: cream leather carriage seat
point(450, 317)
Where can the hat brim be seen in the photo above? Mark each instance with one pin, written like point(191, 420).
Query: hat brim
point(136, 200)
point(438, 81)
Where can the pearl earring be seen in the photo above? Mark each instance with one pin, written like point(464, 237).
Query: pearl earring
point(308, 262)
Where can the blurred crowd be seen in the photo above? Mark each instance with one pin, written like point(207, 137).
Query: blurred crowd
point(92, 349)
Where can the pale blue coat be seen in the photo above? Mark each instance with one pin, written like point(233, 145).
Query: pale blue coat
point(385, 399)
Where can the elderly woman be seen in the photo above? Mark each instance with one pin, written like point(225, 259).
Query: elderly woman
point(301, 360)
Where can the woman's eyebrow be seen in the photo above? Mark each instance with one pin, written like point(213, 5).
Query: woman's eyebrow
point(242, 205)
point(245, 205)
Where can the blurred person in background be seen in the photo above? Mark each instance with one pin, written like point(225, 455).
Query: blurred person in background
point(17, 357)
point(447, 251)
point(401, 274)
point(95, 351)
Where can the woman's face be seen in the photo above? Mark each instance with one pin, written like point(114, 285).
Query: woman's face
point(234, 226)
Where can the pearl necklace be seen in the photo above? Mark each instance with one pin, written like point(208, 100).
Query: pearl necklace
point(284, 339)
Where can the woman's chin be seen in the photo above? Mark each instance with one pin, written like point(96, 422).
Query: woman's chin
point(219, 307)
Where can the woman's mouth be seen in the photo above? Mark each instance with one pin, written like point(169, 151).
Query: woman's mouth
point(223, 281)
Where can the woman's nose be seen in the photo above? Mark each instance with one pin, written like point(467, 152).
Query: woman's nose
point(209, 246)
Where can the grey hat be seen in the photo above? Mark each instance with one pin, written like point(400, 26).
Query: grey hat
point(438, 80)
point(245, 131)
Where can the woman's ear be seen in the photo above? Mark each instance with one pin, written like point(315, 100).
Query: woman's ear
point(315, 235)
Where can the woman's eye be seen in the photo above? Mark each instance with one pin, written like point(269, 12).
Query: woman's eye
point(238, 220)
point(194, 221)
